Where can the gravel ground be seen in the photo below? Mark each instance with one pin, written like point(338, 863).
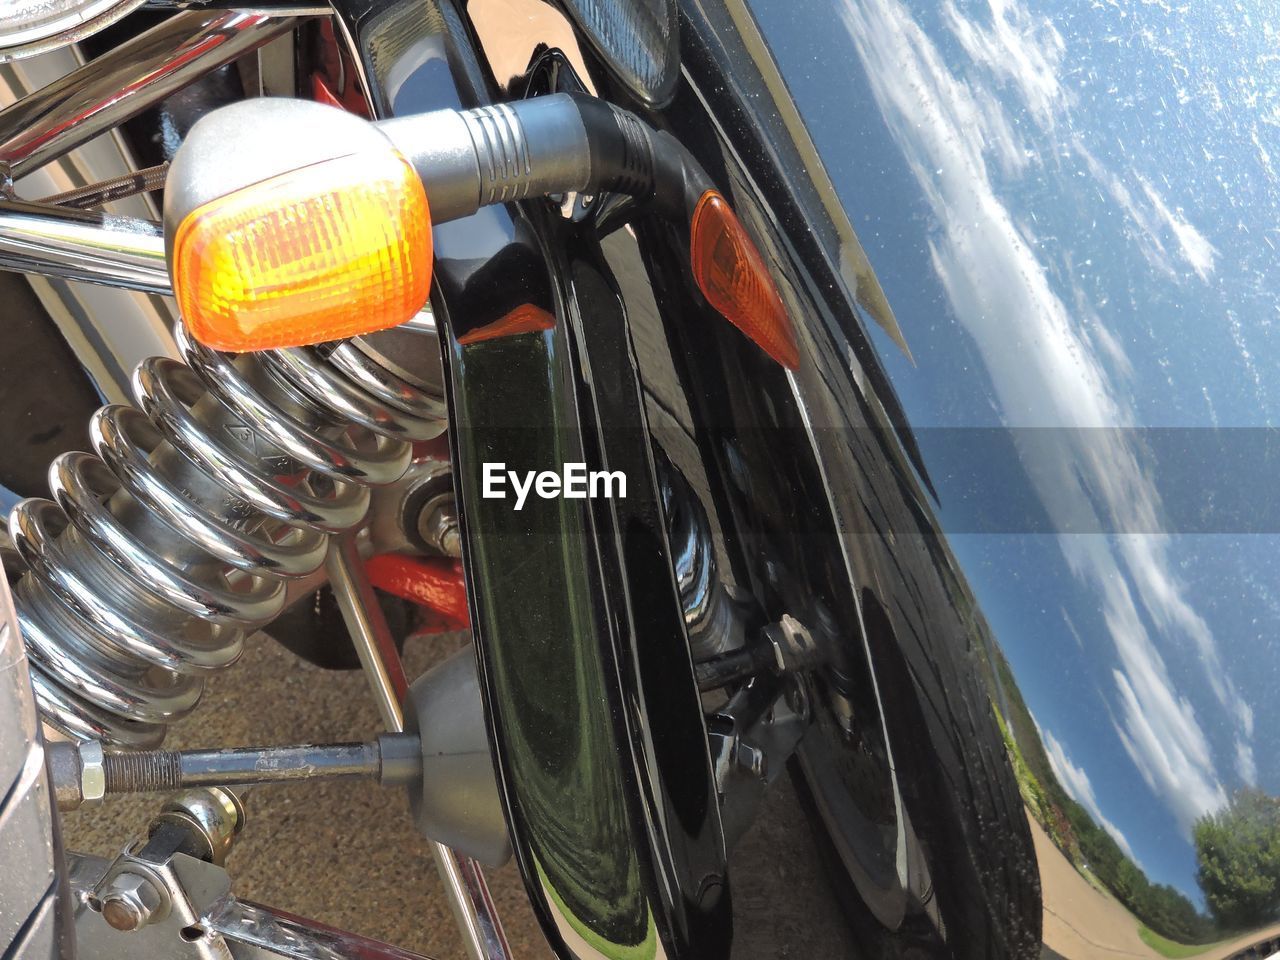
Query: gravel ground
point(345, 853)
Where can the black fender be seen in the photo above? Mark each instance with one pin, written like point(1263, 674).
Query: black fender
point(810, 480)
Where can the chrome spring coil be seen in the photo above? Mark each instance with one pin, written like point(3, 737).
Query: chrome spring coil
point(158, 556)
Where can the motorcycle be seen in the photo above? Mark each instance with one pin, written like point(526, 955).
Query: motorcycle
point(551, 324)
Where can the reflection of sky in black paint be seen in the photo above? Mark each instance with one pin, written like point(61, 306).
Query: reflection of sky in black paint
point(1097, 198)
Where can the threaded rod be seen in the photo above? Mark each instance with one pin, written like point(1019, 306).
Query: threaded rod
point(393, 759)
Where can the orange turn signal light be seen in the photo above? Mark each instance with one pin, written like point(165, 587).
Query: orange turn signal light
point(732, 275)
point(331, 250)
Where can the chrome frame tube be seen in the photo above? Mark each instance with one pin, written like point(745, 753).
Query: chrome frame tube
point(56, 242)
point(463, 878)
point(135, 75)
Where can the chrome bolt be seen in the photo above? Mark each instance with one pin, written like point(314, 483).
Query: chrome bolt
point(438, 525)
point(130, 902)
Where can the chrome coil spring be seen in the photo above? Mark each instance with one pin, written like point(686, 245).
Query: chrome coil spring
point(158, 556)
point(710, 618)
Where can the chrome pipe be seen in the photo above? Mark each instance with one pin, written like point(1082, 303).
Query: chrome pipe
point(52, 242)
point(369, 631)
point(464, 880)
point(110, 330)
point(135, 75)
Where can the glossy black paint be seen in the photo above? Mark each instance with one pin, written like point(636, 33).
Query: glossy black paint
point(594, 712)
point(789, 460)
point(596, 721)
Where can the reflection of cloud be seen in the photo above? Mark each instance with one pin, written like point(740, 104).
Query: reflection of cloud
point(1196, 250)
point(1246, 766)
point(1023, 51)
point(1076, 782)
point(1046, 372)
point(1018, 49)
point(1161, 232)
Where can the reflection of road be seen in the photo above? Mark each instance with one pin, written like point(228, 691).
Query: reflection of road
point(1081, 921)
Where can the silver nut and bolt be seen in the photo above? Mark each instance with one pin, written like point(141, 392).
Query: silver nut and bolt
point(130, 902)
point(438, 525)
point(93, 777)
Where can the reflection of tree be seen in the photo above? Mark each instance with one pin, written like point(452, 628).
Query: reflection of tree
point(1238, 849)
point(1088, 846)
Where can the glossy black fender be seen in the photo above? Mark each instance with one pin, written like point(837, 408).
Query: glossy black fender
point(819, 508)
point(594, 714)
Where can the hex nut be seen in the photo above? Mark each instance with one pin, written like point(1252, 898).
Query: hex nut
point(438, 525)
point(63, 760)
point(130, 902)
point(93, 777)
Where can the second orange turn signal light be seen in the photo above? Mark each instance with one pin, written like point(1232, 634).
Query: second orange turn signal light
point(732, 275)
point(335, 249)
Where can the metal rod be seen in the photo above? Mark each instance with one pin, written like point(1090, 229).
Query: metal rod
point(137, 74)
point(368, 628)
point(393, 759)
point(463, 878)
point(56, 242)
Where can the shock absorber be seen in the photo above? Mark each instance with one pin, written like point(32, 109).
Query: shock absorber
point(159, 555)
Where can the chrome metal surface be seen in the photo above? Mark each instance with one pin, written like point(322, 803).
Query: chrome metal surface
point(110, 330)
point(93, 774)
point(57, 242)
point(133, 76)
point(438, 525)
point(368, 628)
point(397, 513)
point(114, 188)
point(709, 617)
point(410, 351)
point(199, 918)
point(393, 759)
point(212, 817)
point(130, 901)
point(463, 878)
point(178, 539)
point(31, 27)
point(185, 886)
point(255, 932)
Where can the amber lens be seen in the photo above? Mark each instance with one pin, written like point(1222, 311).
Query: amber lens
point(332, 250)
point(733, 277)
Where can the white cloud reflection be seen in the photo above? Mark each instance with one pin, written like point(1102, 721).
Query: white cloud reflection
point(1047, 371)
point(1076, 782)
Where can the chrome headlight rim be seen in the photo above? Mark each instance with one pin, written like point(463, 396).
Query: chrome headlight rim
point(75, 20)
